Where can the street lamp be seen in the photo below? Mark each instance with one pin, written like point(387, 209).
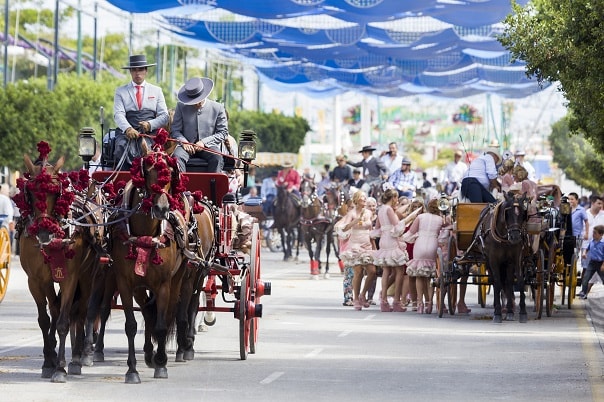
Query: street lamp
point(86, 145)
point(247, 150)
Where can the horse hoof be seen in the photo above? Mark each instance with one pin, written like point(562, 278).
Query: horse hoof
point(47, 372)
point(202, 328)
point(189, 354)
point(161, 372)
point(326, 275)
point(87, 361)
point(59, 376)
point(179, 357)
point(209, 318)
point(497, 319)
point(314, 277)
point(132, 378)
point(98, 357)
point(74, 369)
point(509, 317)
point(523, 318)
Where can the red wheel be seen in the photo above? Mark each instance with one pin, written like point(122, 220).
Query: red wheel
point(5, 254)
point(254, 280)
point(244, 322)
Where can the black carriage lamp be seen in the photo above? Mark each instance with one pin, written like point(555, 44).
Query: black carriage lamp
point(247, 150)
point(86, 145)
point(565, 208)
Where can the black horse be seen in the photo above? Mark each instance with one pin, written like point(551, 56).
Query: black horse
point(287, 221)
point(501, 230)
point(316, 225)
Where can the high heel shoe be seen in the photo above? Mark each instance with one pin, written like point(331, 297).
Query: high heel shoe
point(420, 308)
point(385, 306)
point(428, 309)
point(398, 307)
point(357, 304)
point(364, 302)
point(414, 306)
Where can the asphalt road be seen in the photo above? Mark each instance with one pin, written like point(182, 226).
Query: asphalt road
point(313, 348)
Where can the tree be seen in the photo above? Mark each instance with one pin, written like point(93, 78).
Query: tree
point(577, 157)
point(563, 41)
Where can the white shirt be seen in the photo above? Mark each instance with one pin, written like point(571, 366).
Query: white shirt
point(454, 171)
point(532, 174)
point(393, 164)
point(593, 222)
point(6, 208)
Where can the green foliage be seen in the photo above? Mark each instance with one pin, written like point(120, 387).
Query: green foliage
point(276, 132)
point(563, 41)
point(577, 157)
point(32, 113)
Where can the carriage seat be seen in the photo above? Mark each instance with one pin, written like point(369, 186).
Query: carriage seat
point(199, 165)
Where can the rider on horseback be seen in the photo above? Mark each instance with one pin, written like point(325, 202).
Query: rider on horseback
point(290, 178)
point(374, 170)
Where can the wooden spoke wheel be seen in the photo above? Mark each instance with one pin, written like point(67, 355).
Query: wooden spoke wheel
point(5, 255)
point(254, 278)
point(451, 281)
point(439, 288)
point(244, 322)
point(539, 281)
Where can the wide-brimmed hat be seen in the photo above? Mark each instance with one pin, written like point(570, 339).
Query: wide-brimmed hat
point(195, 90)
point(287, 164)
point(138, 61)
point(519, 152)
point(367, 148)
point(406, 161)
point(458, 153)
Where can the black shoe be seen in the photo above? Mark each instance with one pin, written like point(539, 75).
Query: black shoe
point(582, 296)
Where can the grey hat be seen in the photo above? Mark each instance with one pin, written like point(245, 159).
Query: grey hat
point(406, 161)
point(138, 61)
point(195, 90)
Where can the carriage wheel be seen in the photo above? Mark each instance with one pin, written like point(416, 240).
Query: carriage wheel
point(562, 269)
point(5, 254)
point(244, 323)
point(539, 280)
point(550, 289)
point(451, 282)
point(571, 279)
point(254, 277)
point(483, 285)
point(439, 288)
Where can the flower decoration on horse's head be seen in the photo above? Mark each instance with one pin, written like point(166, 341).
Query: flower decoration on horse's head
point(160, 139)
point(44, 150)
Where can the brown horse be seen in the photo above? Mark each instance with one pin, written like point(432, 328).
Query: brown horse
point(287, 221)
point(147, 255)
point(54, 250)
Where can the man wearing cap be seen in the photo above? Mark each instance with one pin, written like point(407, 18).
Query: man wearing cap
point(200, 125)
point(519, 156)
point(481, 178)
point(290, 178)
point(373, 169)
point(404, 180)
point(454, 172)
point(138, 107)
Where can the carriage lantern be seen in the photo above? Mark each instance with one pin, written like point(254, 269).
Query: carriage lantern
point(247, 150)
point(565, 208)
point(86, 144)
point(443, 203)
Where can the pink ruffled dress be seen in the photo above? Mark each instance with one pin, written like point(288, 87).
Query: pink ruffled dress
point(392, 252)
point(359, 250)
point(427, 226)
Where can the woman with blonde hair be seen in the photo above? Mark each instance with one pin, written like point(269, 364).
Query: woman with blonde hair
point(391, 255)
point(425, 229)
point(356, 226)
point(407, 213)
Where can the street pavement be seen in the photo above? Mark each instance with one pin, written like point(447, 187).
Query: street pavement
point(594, 305)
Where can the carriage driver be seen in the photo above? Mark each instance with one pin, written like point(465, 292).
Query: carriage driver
point(138, 107)
point(481, 178)
point(199, 123)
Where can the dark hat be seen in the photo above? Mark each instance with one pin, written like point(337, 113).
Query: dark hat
point(356, 171)
point(138, 61)
point(367, 148)
point(406, 161)
point(195, 90)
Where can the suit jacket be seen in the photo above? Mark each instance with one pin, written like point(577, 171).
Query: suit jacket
point(153, 101)
point(373, 168)
point(208, 124)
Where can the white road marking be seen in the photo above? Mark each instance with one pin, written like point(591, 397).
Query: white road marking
point(344, 333)
point(272, 377)
point(314, 353)
point(25, 342)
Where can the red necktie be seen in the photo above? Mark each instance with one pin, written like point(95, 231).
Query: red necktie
point(139, 96)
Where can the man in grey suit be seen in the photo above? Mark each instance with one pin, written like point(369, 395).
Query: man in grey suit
point(374, 169)
point(199, 123)
point(138, 107)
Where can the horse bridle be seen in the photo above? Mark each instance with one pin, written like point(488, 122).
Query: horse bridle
point(513, 228)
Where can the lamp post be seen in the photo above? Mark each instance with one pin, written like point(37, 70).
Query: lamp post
point(247, 150)
point(86, 145)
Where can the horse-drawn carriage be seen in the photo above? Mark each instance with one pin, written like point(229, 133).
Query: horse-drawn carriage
point(153, 235)
point(5, 256)
point(492, 244)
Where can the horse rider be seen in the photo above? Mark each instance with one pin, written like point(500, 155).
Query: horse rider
point(138, 107)
point(289, 177)
point(268, 192)
point(374, 170)
point(404, 179)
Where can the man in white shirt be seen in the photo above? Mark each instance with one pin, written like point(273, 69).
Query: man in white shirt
point(392, 159)
point(595, 217)
point(519, 155)
point(6, 206)
point(454, 172)
point(481, 178)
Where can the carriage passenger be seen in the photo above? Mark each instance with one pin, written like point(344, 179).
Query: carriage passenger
point(199, 124)
point(268, 192)
point(392, 254)
point(404, 179)
point(356, 181)
point(481, 178)
point(454, 172)
point(138, 107)
point(356, 226)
